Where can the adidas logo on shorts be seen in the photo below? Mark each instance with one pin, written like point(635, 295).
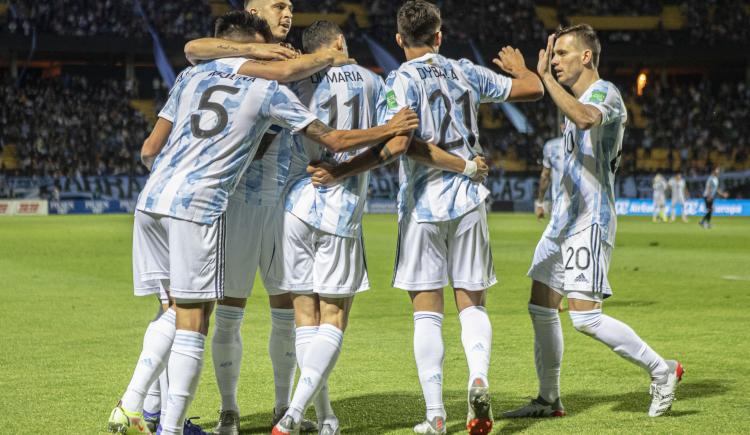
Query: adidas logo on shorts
point(581, 278)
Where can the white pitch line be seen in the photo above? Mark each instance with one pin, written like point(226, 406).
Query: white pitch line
point(736, 278)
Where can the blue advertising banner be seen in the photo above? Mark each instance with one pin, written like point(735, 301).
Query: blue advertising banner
point(722, 207)
point(91, 207)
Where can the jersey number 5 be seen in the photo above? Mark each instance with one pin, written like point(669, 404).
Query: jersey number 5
point(221, 113)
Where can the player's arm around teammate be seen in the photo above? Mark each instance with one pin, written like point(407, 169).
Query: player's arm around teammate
point(278, 14)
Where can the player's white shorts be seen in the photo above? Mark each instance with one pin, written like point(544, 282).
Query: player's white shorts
point(250, 244)
point(432, 255)
point(185, 256)
point(659, 200)
point(308, 260)
point(575, 267)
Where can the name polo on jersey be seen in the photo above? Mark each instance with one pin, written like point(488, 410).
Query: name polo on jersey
point(552, 158)
point(591, 159)
point(219, 118)
point(445, 94)
point(345, 98)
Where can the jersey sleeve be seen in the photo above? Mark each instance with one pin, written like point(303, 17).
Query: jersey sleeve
point(606, 98)
point(400, 93)
point(169, 111)
point(493, 88)
point(286, 110)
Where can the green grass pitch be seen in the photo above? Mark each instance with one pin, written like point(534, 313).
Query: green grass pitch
point(71, 333)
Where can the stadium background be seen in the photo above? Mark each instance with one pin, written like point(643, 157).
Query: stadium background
point(80, 86)
point(82, 82)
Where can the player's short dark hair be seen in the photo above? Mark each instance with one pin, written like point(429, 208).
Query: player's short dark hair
point(236, 24)
point(586, 35)
point(417, 22)
point(319, 34)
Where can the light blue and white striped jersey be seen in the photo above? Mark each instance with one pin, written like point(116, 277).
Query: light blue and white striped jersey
point(265, 179)
point(218, 118)
point(587, 193)
point(659, 185)
point(677, 188)
point(346, 98)
point(445, 94)
point(712, 186)
point(552, 158)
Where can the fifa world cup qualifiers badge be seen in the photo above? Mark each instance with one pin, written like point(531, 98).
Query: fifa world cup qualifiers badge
point(598, 96)
point(391, 100)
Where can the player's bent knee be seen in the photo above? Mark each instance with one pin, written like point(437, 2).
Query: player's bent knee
point(586, 322)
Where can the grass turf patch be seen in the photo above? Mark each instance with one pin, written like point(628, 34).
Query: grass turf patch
point(72, 332)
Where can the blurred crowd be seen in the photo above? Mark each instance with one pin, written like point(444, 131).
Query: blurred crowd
point(697, 118)
point(172, 19)
point(494, 22)
point(71, 126)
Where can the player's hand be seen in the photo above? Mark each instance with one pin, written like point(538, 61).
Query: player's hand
point(270, 52)
point(724, 195)
point(483, 170)
point(404, 122)
point(544, 66)
point(539, 210)
point(339, 58)
point(511, 61)
point(321, 174)
point(291, 47)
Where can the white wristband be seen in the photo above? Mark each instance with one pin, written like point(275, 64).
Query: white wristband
point(471, 168)
point(539, 204)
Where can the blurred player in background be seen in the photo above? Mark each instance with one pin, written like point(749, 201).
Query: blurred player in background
point(573, 256)
point(678, 191)
point(659, 186)
point(709, 195)
point(549, 179)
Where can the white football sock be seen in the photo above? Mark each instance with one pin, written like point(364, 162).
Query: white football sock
point(476, 336)
point(281, 348)
point(321, 401)
point(548, 350)
point(429, 352)
point(226, 351)
point(318, 362)
point(164, 387)
point(621, 339)
point(185, 366)
point(152, 404)
point(157, 343)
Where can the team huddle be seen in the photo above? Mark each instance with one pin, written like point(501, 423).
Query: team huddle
point(259, 162)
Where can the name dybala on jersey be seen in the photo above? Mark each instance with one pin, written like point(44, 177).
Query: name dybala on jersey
point(591, 159)
point(445, 94)
point(219, 118)
point(346, 98)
